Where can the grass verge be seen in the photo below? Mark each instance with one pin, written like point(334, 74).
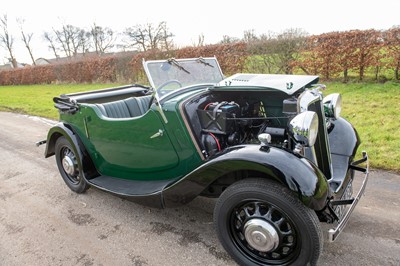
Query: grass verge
point(373, 109)
point(38, 99)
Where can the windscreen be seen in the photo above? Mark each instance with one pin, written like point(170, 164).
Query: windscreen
point(183, 72)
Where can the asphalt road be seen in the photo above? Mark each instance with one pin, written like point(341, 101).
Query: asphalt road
point(43, 223)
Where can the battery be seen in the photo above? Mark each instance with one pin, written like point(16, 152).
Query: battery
point(217, 118)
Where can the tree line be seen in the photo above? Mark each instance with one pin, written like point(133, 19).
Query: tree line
point(340, 53)
point(68, 40)
point(121, 69)
point(331, 55)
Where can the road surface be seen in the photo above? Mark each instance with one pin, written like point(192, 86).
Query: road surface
point(43, 223)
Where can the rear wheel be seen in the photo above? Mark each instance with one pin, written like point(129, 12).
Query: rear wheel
point(260, 222)
point(67, 163)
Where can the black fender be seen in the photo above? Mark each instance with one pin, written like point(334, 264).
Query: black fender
point(296, 173)
point(84, 161)
point(343, 138)
point(344, 142)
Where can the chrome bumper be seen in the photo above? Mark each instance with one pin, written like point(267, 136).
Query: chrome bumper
point(334, 232)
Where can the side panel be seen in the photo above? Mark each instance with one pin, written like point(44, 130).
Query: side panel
point(129, 151)
point(129, 148)
point(89, 170)
point(296, 173)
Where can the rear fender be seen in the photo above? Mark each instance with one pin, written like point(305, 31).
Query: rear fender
point(84, 161)
point(296, 173)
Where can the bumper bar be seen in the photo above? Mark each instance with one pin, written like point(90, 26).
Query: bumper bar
point(40, 143)
point(334, 232)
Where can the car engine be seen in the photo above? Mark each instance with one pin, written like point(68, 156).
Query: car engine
point(233, 122)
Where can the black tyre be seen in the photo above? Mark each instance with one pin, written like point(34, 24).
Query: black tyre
point(260, 222)
point(67, 163)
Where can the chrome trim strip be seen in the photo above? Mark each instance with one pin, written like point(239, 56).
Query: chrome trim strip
point(146, 70)
point(311, 100)
point(334, 232)
point(86, 127)
point(306, 99)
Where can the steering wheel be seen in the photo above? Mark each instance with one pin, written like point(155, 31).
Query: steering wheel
point(161, 91)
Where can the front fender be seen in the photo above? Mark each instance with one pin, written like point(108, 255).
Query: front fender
point(343, 138)
point(296, 173)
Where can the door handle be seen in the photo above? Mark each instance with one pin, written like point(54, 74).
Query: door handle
point(160, 133)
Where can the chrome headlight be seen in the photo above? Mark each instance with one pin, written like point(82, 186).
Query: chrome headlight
point(333, 105)
point(304, 128)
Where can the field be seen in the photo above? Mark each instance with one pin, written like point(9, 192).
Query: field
point(38, 99)
point(372, 108)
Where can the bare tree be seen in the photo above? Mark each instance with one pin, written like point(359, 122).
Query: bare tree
point(290, 42)
point(52, 43)
point(153, 35)
point(26, 38)
point(264, 47)
point(63, 38)
point(249, 36)
point(276, 52)
point(103, 38)
point(229, 39)
point(83, 41)
point(200, 41)
point(6, 39)
point(148, 37)
point(136, 38)
point(166, 42)
point(71, 39)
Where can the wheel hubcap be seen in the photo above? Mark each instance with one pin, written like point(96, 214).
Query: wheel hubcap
point(68, 165)
point(261, 235)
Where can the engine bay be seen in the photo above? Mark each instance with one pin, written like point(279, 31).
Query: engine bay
point(220, 120)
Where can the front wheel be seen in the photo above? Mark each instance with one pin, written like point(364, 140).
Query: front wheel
point(260, 222)
point(67, 163)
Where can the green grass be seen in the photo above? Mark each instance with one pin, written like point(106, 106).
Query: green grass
point(38, 99)
point(373, 109)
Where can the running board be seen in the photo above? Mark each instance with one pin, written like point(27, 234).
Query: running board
point(129, 188)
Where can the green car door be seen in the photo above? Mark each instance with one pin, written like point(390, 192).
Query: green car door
point(131, 148)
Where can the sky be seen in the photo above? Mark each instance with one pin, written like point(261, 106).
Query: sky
point(189, 19)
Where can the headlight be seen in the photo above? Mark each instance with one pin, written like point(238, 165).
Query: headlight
point(333, 105)
point(304, 128)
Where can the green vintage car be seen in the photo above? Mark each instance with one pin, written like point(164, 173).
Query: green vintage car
point(271, 148)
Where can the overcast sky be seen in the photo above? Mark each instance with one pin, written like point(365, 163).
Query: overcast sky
point(188, 19)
